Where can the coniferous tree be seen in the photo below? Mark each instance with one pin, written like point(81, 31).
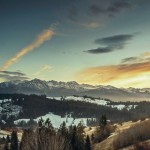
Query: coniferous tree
point(40, 122)
point(92, 137)
point(74, 138)
point(48, 123)
point(63, 129)
point(103, 121)
point(80, 135)
point(14, 141)
point(8, 138)
point(6, 147)
point(87, 143)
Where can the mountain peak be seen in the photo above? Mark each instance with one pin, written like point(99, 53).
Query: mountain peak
point(55, 88)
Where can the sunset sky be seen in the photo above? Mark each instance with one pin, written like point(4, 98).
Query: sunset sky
point(89, 41)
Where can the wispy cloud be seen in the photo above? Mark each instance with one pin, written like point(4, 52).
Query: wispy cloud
point(112, 43)
point(129, 59)
point(144, 57)
point(13, 73)
point(43, 69)
point(10, 75)
point(91, 24)
point(121, 74)
point(44, 36)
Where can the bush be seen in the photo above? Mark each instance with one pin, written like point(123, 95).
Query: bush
point(102, 134)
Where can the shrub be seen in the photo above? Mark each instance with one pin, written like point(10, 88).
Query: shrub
point(102, 134)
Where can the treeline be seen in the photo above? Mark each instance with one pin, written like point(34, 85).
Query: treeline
point(45, 137)
point(42, 106)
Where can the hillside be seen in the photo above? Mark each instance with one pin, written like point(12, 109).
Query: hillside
point(19, 107)
point(127, 136)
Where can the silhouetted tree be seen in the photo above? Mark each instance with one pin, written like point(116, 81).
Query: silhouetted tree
point(14, 141)
point(103, 121)
point(63, 129)
point(87, 143)
point(40, 122)
point(6, 146)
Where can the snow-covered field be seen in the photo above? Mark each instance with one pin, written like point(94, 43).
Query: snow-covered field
point(57, 120)
point(93, 101)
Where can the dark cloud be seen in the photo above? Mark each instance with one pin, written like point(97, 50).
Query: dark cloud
point(100, 50)
point(129, 59)
point(10, 75)
point(112, 43)
point(99, 12)
point(116, 39)
point(117, 7)
point(109, 9)
point(13, 73)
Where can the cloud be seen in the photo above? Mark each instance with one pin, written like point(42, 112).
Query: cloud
point(97, 13)
point(13, 73)
point(144, 57)
point(129, 59)
point(91, 24)
point(44, 36)
point(111, 9)
point(80, 16)
point(115, 40)
point(111, 73)
point(100, 50)
point(112, 43)
point(10, 75)
point(43, 69)
point(131, 72)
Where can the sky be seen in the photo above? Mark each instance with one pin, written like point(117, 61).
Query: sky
point(88, 41)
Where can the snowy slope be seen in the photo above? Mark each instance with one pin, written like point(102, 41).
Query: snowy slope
point(93, 101)
point(57, 120)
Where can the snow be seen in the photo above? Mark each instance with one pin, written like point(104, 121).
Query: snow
point(20, 120)
point(57, 120)
point(94, 101)
point(56, 98)
point(3, 136)
point(3, 133)
point(82, 99)
point(5, 100)
point(119, 107)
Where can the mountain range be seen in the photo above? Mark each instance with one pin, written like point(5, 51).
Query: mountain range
point(55, 88)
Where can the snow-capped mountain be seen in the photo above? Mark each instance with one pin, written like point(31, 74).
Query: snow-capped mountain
point(55, 88)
